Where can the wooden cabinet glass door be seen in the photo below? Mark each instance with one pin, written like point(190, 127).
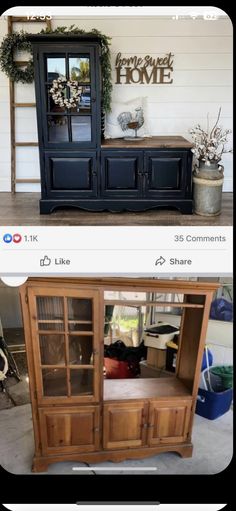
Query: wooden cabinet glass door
point(65, 329)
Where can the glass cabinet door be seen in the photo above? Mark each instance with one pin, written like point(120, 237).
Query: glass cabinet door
point(63, 124)
point(66, 356)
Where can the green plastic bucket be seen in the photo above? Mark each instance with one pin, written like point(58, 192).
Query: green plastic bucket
point(226, 375)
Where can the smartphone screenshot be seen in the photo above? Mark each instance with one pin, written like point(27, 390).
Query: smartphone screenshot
point(116, 258)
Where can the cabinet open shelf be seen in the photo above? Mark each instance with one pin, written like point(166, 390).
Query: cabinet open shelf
point(80, 322)
point(70, 366)
point(144, 388)
point(53, 321)
point(141, 303)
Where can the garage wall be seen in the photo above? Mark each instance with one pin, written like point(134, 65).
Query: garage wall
point(219, 337)
point(202, 82)
point(10, 307)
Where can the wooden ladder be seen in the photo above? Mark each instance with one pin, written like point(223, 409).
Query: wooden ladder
point(14, 105)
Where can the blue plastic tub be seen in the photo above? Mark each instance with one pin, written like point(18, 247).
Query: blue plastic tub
point(212, 405)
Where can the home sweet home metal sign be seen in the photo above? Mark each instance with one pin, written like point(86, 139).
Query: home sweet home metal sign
point(142, 70)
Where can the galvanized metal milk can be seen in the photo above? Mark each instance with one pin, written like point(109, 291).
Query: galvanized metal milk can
point(208, 181)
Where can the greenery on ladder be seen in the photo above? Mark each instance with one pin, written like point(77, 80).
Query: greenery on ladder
point(18, 41)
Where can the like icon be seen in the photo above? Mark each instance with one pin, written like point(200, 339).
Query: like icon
point(7, 238)
point(46, 261)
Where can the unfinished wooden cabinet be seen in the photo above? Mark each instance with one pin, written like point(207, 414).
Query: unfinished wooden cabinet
point(79, 416)
point(124, 425)
point(168, 422)
point(68, 431)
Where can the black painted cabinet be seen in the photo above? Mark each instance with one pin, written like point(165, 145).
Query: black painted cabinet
point(166, 174)
point(68, 137)
point(154, 177)
point(71, 175)
point(77, 167)
point(121, 175)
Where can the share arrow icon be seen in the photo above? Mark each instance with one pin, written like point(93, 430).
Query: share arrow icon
point(160, 261)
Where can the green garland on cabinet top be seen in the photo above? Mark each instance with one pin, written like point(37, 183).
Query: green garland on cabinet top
point(19, 41)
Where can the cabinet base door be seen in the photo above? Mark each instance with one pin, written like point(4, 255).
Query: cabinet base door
point(168, 422)
point(71, 174)
point(168, 174)
point(124, 425)
point(121, 174)
point(64, 430)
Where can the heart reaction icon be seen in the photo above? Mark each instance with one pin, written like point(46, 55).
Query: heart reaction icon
point(17, 238)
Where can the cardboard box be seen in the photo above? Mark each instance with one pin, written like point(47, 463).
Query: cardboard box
point(156, 358)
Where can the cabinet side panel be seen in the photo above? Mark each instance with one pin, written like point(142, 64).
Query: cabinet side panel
point(192, 341)
point(30, 364)
point(190, 338)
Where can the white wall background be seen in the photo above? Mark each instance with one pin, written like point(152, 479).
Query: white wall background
point(219, 337)
point(202, 82)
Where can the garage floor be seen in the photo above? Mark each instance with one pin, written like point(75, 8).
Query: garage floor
point(212, 448)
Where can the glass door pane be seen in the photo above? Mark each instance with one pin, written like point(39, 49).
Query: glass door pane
point(54, 382)
point(81, 382)
point(80, 314)
point(81, 128)
point(79, 68)
point(81, 349)
point(52, 349)
point(56, 68)
point(50, 313)
point(58, 128)
point(84, 105)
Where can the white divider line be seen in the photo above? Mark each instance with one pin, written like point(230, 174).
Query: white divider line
point(116, 469)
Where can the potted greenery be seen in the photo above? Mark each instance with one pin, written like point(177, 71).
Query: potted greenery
point(208, 177)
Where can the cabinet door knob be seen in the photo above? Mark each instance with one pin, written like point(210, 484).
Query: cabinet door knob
point(93, 100)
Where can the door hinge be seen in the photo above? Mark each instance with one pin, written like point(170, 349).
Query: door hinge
point(35, 394)
point(26, 298)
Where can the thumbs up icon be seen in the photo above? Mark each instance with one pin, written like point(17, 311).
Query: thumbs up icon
point(46, 261)
point(7, 238)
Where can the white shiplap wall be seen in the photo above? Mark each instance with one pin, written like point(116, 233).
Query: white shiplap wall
point(202, 81)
